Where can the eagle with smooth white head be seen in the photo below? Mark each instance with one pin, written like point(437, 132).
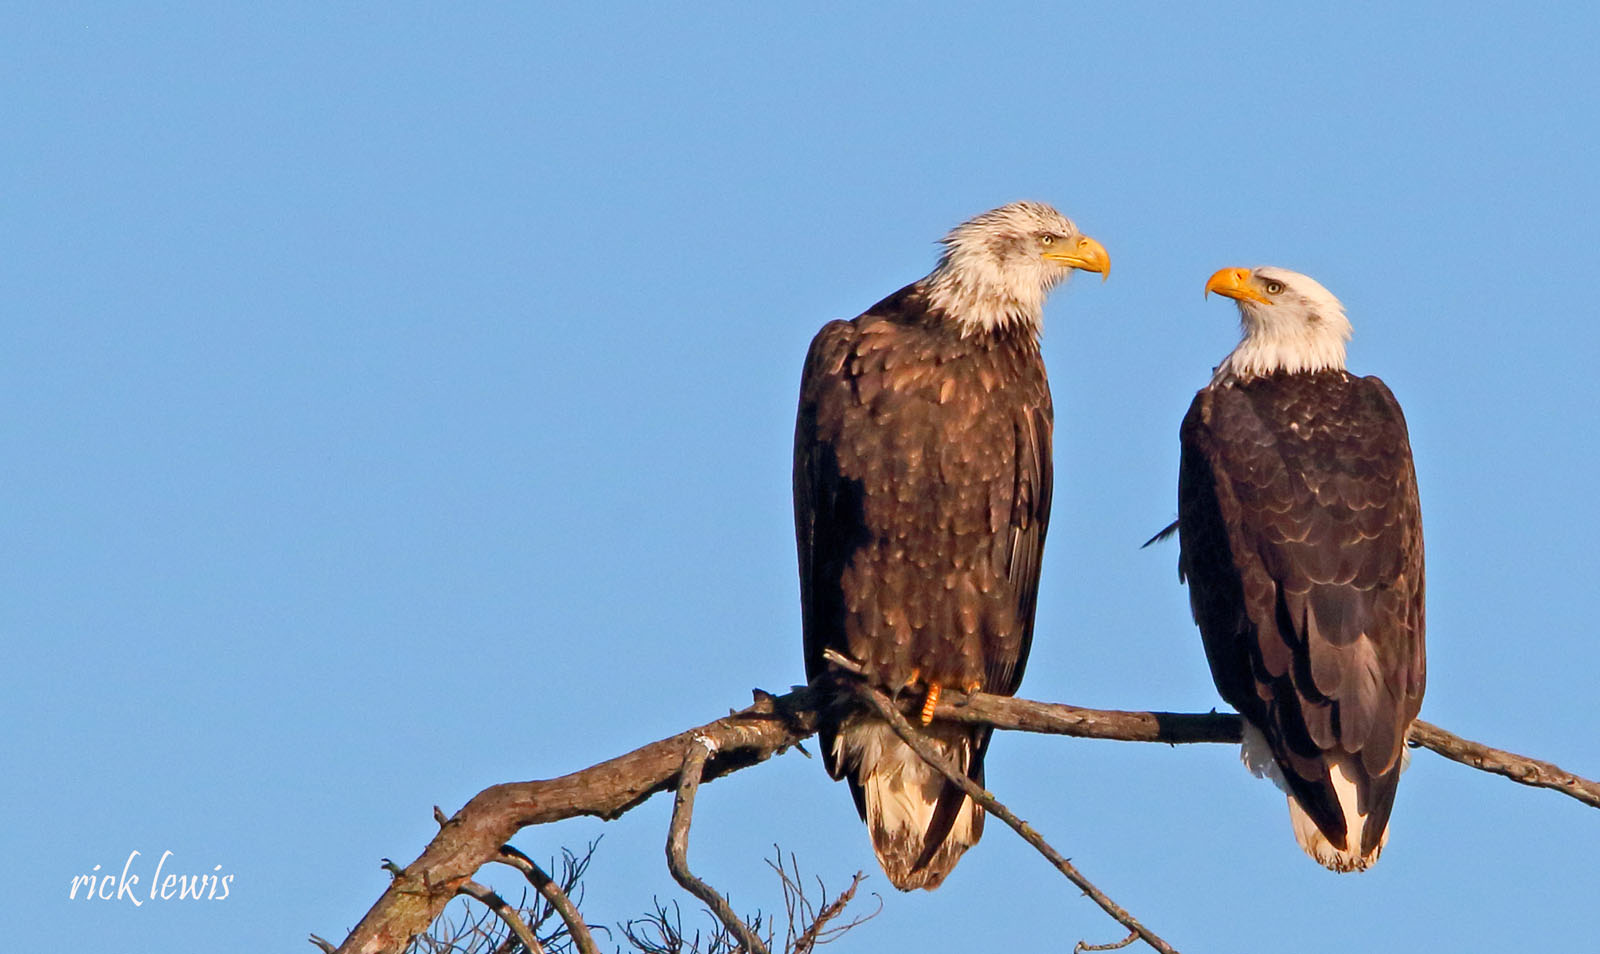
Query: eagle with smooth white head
point(1301, 543)
point(922, 474)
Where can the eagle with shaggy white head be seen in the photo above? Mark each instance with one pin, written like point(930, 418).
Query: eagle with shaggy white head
point(922, 474)
point(1301, 543)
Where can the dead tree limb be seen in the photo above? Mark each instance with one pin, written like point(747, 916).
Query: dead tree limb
point(472, 838)
point(491, 899)
point(886, 709)
point(1518, 768)
point(694, 762)
point(553, 895)
point(1082, 946)
point(1177, 728)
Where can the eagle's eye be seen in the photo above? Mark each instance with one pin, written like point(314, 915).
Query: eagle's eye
point(1274, 288)
point(1046, 239)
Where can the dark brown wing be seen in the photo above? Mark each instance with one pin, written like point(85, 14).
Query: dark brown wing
point(1302, 545)
point(1030, 519)
point(828, 509)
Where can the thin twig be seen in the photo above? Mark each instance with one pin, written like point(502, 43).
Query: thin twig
point(840, 661)
point(801, 911)
point(814, 934)
point(552, 893)
point(478, 928)
point(326, 945)
point(508, 914)
point(881, 704)
point(796, 905)
point(694, 763)
point(1082, 946)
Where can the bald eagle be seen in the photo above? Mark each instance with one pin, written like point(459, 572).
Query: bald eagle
point(1302, 546)
point(922, 476)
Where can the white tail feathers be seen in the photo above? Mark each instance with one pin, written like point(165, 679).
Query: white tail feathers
point(901, 793)
point(1257, 757)
point(1316, 843)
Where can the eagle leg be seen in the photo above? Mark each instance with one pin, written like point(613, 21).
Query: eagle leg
point(930, 702)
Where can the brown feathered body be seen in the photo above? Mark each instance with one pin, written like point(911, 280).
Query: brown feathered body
point(922, 492)
point(1302, 546)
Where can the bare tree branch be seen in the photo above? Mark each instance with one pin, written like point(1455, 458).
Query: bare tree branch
point(818, 931)
point(492, 900)
point(694, 762)
point(553, 894)
point(474, 835)
point(886, 709)
point(479, 931)
point(1173, 728)
point(1518, 768)
point(1177, 728)
point(662, 932)
point(1082, 946)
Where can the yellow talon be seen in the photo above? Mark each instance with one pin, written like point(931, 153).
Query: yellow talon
point(929, 703)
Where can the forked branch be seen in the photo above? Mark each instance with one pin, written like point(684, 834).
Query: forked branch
point(490, 899)
point(886, 709)
point(694, 763)
point(553, 895)
point(474, 835)
point(819, 927)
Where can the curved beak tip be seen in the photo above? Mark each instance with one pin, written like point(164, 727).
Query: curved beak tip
point(1234, 283)
point(1095, 257)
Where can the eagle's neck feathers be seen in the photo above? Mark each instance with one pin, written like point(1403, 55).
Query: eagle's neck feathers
point(1306, 334)
point(980, 296)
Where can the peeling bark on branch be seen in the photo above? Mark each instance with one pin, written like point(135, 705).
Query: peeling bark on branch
point(474, 835)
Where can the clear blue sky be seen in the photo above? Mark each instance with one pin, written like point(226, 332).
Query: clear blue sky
point(398, 400)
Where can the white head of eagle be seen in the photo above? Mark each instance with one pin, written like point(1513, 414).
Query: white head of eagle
point(998, 267)
point(1289, 323)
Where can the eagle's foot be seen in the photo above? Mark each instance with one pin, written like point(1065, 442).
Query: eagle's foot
point(929, 703)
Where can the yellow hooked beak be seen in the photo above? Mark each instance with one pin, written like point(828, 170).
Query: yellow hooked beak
point(1236, 283)
point(1084, 253)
